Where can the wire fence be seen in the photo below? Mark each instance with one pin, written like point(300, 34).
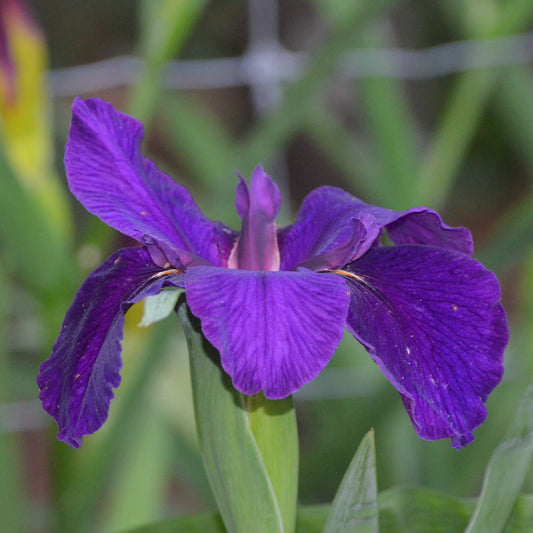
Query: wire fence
point(267, 64)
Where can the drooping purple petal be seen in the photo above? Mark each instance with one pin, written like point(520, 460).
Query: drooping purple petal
point(324, 222)
point(113, 180)
point(432, 320)
point(275, 331)
point(76, 381)
point(258, 206)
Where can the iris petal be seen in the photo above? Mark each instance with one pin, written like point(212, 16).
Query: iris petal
point(76, 381)
point(111, 178)
point(354, 247)
point(324, 222)
point(258, 206)
point(432, 321)
point(420, 225)
point(275, 331)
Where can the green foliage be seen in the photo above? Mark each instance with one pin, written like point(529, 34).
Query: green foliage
point(506, 472)
point(402, 510)
point(355, 507)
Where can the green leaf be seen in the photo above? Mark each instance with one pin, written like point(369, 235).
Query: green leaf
point(468, 99)
point(273, 425)
point(355, 507)
point(418, 510)
point(29, 246)
point(402, 510)
point(165, 26)
point(513, 238)
point(159, 306)
point(347, 153)
point(12, 504)
point(140, 487)
point(195, 132)
point(249, 445)
point(200, 523)
point(392, 127)
point(391, 124)
point(514, 99)
point(521, 520)
point(515, 16)
point(461, 117)
point(506, 472)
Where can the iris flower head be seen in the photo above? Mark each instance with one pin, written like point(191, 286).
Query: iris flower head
point(275, 301)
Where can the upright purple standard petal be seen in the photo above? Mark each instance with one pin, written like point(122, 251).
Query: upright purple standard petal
point(324, 222)
point(431, 319)
point(111, 178)
point(76, 381)
point(258, 206)
point(275, 331)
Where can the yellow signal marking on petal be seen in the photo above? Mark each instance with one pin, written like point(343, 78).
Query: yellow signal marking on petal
point(169, 272)
point(348, 274)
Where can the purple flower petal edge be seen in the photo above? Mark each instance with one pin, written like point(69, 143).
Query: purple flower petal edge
point(432, 320)
point(77, 380)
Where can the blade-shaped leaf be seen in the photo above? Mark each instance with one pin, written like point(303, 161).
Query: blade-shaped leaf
point(460, 118)
point(253, 483)
point(355, 507)
point(419, 510)
point(164, 25)
point(392, 127)
point(506, 472)
point(12, 503)
point(27, 238)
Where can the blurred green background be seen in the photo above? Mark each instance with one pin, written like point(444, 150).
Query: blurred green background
point(401, 103)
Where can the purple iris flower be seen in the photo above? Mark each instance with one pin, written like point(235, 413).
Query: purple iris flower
point(275, 301)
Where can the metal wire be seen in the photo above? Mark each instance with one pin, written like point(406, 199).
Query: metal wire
point(267, 65)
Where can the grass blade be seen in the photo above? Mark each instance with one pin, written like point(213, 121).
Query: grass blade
point(355, 507)
point(506, 472)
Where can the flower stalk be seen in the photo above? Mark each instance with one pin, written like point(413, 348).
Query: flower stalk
point(249, 444)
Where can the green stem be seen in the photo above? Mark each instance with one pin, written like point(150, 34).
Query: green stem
point(273, 425)
point(249, 444)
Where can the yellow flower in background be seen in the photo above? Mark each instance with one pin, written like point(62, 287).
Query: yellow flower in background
point(24, 113)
